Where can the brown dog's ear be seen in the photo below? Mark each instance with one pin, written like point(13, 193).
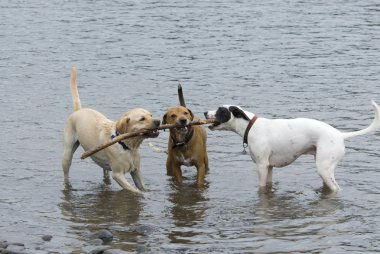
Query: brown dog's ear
point(121, 125)
point(191, 113)
point(164, 119)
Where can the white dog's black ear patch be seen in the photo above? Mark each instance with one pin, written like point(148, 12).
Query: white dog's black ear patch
point(238, 113)
point(222, 115)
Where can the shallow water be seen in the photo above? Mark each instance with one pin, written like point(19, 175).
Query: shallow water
point(279, 59)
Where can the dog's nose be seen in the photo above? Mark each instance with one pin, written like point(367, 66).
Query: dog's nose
point(157, 122)
point(183, 121)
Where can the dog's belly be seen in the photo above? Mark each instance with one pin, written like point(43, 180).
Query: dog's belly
point(286, 157)
point(101, 162)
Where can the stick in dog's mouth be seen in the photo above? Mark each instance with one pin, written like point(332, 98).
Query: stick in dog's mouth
point(152, 134)
point(213, 124)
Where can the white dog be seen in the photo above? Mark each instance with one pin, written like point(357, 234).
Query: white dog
point(89, 128)
point(279, 142)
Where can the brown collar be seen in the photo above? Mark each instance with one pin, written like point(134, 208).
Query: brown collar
point(245, 138)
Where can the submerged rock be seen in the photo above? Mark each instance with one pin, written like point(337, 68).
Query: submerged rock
point(47, 237)
point(98, 250)
point(3, 244)
point(103, 234)
point(14, 248)
point(114, 251)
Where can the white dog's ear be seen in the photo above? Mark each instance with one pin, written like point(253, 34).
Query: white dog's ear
point(238, 113)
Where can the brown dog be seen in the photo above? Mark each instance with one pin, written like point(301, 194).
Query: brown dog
point(187, 145)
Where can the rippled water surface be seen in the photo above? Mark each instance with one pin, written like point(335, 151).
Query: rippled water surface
point(278, 59)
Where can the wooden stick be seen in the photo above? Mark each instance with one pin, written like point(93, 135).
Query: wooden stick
point(142, 133)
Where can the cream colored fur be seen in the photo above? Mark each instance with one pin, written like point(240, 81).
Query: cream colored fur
point(89, 128)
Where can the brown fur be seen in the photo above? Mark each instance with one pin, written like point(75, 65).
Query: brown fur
point(193, 153)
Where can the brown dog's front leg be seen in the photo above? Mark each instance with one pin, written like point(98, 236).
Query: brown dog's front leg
point(201, 174)
point(174, 169)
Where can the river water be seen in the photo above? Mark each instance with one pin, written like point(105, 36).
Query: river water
point(278, 59)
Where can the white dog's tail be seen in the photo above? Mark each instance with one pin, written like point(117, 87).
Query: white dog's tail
point(74, 90)
point(373, 126)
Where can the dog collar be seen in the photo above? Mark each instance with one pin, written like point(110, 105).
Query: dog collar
point(125, 147)
point(189, 135)
point(245, 138)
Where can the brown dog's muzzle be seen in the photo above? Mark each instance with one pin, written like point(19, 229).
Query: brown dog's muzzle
point(182, 121)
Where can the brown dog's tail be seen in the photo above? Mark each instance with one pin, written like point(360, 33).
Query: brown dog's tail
point(180, 96)
point(74, 89)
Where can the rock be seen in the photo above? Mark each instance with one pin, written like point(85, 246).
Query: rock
point(142, 249)
point(3, 245)
point(111, 251)
point(144, 229)
point(114, 251)
point(105, 235)
point(96, 242)
point(47, 237)
point(99, 250)
point(14, 248)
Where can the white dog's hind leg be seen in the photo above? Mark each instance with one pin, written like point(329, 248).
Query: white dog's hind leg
point(326, 163)
point(325, 169)
point(328, 179)
point(262, 170)
point(270, 175)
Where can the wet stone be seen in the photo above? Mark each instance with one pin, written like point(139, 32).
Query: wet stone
point(142, 249)
point(3, 244)
point(47, 237)
point(144, 229)
point(114, 251)
point(14, 248)
point(105, 235)
point(99, 250)
point(96, 242)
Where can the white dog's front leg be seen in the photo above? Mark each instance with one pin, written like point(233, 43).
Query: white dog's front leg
point(120, 179)
point(137, 178)
point(270, 175)
point(262, 170)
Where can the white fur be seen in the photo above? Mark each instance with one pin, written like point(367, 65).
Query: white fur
point(279, 142)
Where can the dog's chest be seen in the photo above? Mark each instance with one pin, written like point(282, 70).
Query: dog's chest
point(186, 161)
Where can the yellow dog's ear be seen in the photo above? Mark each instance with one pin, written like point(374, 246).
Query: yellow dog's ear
point(121, 125)
point(164, 119)
point(191, 113)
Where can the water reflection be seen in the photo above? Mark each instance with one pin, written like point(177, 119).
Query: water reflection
point(291, 205)
point(295, 218)
point(189, 206)
point(93, 209)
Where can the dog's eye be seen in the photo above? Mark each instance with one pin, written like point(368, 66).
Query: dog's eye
point(186, 113)
point(172, 116)
point(142, 119)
